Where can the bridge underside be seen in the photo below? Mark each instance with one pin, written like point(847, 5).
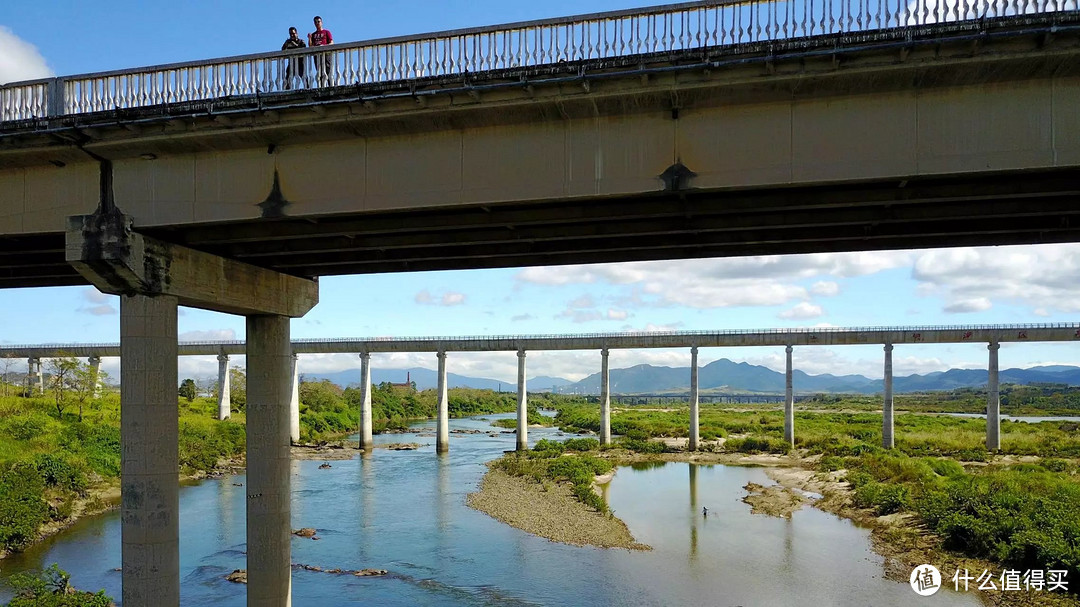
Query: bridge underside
point(1026, 208)
point(921, 205)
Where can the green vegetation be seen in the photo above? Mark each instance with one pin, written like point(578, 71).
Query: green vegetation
point(553, 461)
point(535, 418)
point(52, 588)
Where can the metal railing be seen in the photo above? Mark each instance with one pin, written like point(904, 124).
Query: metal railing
point(660, 29)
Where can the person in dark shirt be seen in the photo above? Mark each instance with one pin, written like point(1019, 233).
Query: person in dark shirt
point(321, 37)
point(294, 68)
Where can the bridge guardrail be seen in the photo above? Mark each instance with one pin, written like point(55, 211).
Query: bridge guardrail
point(674, 27)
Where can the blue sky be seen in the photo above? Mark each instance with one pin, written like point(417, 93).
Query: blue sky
point(956, 286)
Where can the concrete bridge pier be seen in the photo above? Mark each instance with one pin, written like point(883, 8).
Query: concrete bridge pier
point(153, 278)
point(294, 400)
point(523, 406)
point(30, 362)
point(789, 402)
point(442, 437)
point(224, 382)
point(605, 399)
point(993, 401)
point(887, 440)
point(694, 413)
point(95, 374)
point(366, 442)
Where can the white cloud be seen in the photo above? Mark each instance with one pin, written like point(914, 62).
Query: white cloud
point(208, 335)
point(613, 314)
point(20, 60)
point(825, 288)
point(104, 305)
point(802, 311)
point(449, 298)
point(977, 304)
point(521, 317)
point(969, 279)
point(424, 298)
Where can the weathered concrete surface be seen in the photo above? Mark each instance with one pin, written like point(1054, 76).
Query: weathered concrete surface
point(789, 402)
point(269, 363)
point(695, 427)
point(442, 437)
point(993, 401)
point(887, 438)
point(104, 248)
point(149, 463)
point(523, 405)
point(294, 401)
point(366, 440)
point(605, 399)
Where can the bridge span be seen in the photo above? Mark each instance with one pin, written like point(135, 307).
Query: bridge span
point(702, 129)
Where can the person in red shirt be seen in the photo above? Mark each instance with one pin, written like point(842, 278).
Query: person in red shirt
point(321, 37)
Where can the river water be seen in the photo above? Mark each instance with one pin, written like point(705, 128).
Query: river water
point(405, 511)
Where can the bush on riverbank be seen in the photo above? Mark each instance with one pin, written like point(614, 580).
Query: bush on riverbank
point(549, 462)
point(52, 588)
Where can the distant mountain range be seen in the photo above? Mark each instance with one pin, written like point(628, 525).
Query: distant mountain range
point(722, 376)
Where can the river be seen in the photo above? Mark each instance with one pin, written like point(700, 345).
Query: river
point(405, 511)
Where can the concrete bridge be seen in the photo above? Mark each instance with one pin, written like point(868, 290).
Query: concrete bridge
point(712, 128)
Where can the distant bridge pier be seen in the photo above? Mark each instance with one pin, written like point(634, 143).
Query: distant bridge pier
point(366, 441)
point(224, 398)
point(887, 440)
point(95, 374)
point(153, 278)
point(442, 437)
point(993, 401)
point(605, 399)
point(789, 402)
point(522, 408)
point(294, 399)
point(694, 427)
point(30, 366)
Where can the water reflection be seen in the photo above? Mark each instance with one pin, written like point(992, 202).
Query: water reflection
point(693, 511)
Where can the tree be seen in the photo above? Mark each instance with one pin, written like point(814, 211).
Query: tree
point(85, 384)
point(62, 380)
point(188, 389)
point(238, 387)
point(321, 395)
point(52, 588)
point(5, 364)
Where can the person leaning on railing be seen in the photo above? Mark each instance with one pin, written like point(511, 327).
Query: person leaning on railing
point(321, 37)
point(294, 68)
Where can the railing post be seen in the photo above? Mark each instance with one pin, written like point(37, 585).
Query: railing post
point(55, 105)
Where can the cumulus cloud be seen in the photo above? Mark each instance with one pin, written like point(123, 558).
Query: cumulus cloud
point(613, 314)
point(20, 60)
point(802, 311)
point(208, 335)
point(449, 298)
point(719, 283)
point(825, 288)
point(977, 304)
point(968, 279)
point(101, 304)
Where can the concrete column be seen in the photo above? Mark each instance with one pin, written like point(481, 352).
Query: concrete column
point(224, 382)
point(605, 399)
point(269, 361)
point(30, 362)
point(366, 442)
point(694, 413)
point(149, 460)
point(993, 402)
point(40, 378)
point(887, 440)
point(95, 375)
point(789, 403)
point(442, 438)
point(523, 406)
point(294, 401)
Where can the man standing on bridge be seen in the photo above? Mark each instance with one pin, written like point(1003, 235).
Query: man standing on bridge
point(295, 66)
point(321, 37)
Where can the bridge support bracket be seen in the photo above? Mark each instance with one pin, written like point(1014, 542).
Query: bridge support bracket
point(105, 249)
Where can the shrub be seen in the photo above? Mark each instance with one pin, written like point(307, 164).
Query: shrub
point(22, 510)
point(582, 444)
point(51, 588)
point(59, 472)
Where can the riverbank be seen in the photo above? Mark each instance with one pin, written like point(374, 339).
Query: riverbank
point(548, 510)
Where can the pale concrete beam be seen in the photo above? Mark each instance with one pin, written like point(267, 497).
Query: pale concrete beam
point(442, 438)
point(224, 400)
point(605, 399)
point(695, 430)
point(366, 441)
point(523, 407)
point(149, 463)
point(789, 402)
point(294, 401)
point(887, 440)
point(105, 250)
point(993, 401)
point(269, 361)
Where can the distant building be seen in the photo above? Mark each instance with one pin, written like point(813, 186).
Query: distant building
point(408, 385)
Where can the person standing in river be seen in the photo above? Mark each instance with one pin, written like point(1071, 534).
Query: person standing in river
point(294, 68)
point(321, 37)
point(704, 512)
